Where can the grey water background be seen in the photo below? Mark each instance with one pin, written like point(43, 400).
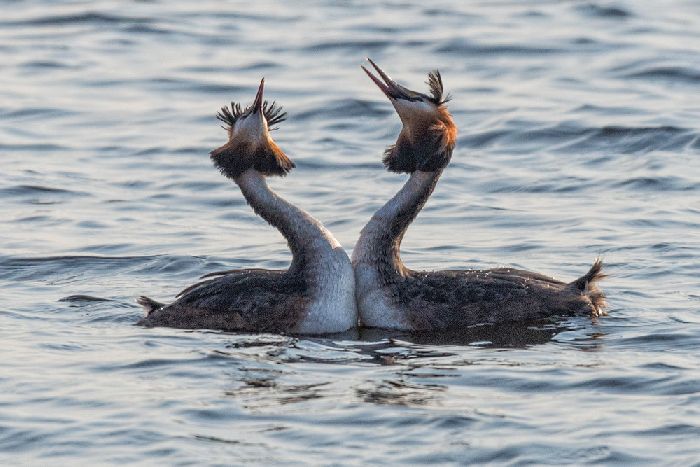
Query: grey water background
point(579, 137)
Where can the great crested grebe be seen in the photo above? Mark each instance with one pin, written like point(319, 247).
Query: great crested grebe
point(389, 295)
point(316, 295)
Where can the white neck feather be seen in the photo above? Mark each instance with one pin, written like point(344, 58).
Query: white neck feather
point(408, 201)
point(376, 259)
point(315, 253)
point(298, 226)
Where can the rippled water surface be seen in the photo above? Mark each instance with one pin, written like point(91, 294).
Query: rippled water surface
point(579, 136)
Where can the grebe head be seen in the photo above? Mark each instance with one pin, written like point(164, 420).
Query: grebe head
point(250, 145)
point(428, 135)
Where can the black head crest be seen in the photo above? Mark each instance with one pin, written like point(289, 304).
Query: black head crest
point(271, 110)
point(435, 84)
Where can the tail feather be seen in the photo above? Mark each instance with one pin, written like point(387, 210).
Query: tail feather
point(588, 286)
point(149, 305)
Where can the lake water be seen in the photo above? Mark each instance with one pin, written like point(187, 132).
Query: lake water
point(579, 137)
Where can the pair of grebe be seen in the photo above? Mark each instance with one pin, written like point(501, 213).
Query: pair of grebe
point(323, 291)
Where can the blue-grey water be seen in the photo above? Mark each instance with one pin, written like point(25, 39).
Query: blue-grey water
point(579, 136)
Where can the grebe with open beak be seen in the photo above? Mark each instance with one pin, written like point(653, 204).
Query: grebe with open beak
point(389, 295)
point(314, 296)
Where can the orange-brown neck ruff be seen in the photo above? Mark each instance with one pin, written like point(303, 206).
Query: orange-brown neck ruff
point(425, 143)
point(235, 157)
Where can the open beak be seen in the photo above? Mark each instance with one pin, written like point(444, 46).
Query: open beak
point(389, 87)
point(258, 102)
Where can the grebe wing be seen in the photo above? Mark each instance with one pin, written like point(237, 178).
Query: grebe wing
point(245, 300)
point(231, 271)
point(510, 272)
point(457, 298)
point(235, 274)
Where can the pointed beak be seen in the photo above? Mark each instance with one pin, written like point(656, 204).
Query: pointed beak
point(258, 102)
point(388, 86)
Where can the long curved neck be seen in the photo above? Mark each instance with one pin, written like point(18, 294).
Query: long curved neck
point(380, 239)
point(307, 238)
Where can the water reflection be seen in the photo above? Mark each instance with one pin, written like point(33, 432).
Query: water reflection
point(400, 392)
point(512, 335)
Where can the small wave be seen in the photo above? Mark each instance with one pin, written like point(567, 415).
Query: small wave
point(467, 47)
point(551, 134)
point(225, 202)
point(242, 17)
point(344, 108)
point(48, 266)
point(145, 28)
point(449, 12)
point(82, 299)
point(678, 430)
point(667, 73)
point(658, 184)
point(34, 147)
point(352, 46)
point(215, 88)
point(33, 219)
point(230, 68)
point(48, 65)
point(604, 11)
point(483, 139)
point(40, 112)
point(92, 18)
point(606, 110)
point(33, 190)
point(617, 131)
point(564, 185)
point(625, 140)
point(170, 84)
point(169, 264)
point(192, 186)
point(156, 150)
point(635, 139)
